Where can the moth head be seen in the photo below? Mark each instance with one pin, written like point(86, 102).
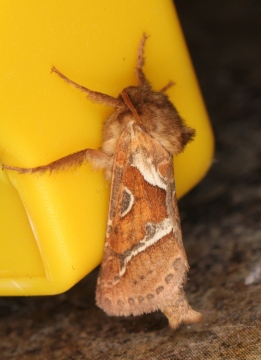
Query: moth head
point(156, 114)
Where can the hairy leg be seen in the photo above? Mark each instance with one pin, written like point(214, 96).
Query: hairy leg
point(99, 160)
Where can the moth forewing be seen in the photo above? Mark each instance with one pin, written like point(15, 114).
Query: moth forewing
point(144, 265)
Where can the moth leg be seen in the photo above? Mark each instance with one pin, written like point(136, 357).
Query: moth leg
point(99, 160)
point(142, 80)
point(95, 96)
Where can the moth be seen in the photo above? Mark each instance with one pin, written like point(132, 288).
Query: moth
point(144, 267)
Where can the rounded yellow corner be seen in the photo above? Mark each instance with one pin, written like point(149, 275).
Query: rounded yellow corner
point(53, 226)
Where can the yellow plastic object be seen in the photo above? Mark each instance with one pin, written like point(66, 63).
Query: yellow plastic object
point(52, 227)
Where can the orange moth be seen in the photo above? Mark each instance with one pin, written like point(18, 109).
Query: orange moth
point(144, 267)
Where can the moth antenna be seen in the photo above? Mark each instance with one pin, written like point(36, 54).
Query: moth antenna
point(130, 105)
point(142, 80)
point(95, 96)
point(167, 86)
